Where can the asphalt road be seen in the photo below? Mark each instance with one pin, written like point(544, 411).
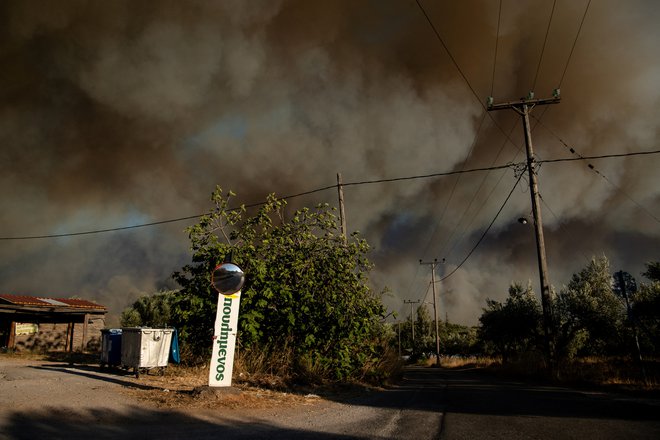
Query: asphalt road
point(483, 407)
point(57, 401)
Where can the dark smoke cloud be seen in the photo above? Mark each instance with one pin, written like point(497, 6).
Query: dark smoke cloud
point(121, 113)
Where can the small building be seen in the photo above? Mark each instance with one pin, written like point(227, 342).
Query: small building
point(50, 324)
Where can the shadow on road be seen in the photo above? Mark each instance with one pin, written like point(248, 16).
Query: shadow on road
point(91, 373)
point(140, 423)
point(475, 392)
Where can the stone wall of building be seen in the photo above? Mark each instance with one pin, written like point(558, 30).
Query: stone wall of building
point(52, 337)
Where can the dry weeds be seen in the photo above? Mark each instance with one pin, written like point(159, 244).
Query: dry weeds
point(180, 386)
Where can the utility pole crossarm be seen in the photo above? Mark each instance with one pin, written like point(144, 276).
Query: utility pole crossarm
point(528, 102)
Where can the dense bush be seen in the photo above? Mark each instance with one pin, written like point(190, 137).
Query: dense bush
point(306, 288)
point(590, 317)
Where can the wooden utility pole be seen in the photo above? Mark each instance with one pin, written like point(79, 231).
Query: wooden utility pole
point(621, 277)
point(435, 309)
point(523, 107)
point(412, 320)
point(342, 213)
point(399, 327)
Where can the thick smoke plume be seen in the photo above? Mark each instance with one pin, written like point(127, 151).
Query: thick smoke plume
point(120, 113)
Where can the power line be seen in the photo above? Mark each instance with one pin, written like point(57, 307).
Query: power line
point(591, 167)
point(485, 232)
point(577, 35)
point(99, 231)
point(574, 42)
point(453, 189)
point(425, 176)
point(497, 40)
point(547, 32)
point(437, 34)
point(469, 205)
point(603, 156)
point(460, 71)
point(325, 188)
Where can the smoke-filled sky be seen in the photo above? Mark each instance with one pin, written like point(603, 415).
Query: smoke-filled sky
point(122, 113)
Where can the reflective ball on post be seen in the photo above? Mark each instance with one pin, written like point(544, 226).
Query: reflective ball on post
point(227, 278)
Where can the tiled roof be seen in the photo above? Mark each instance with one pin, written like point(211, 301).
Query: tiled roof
point(23, 300)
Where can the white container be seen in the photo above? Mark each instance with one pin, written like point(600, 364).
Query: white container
point(143, 347)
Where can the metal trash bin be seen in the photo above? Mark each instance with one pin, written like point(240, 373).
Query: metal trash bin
point(110, 347)
point(145, 348)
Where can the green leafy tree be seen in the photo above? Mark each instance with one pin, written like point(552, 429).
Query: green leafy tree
point(424, 331)
point(646, 309)
point(456, 339)
point(150, 311)
point(512, 327)
point(306, 287)
point(652, 271)
point(590, 318)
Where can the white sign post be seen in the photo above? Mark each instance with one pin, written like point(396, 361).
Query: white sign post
point(224, 340)
point(227, 280)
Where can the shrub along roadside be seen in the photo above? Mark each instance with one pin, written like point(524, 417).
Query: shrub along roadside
point(306, 308)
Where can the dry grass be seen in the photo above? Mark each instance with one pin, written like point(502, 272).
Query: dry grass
point(612, 371)
point(465, 361)
point(182, 386)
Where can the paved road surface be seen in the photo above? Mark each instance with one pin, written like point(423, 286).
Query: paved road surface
point(55, 401)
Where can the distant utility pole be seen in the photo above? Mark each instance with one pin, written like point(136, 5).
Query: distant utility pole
point(624, 278)
point(342, 213)
point(435, 309)
point(399, 327)
point(523, 107)
point(412, 320)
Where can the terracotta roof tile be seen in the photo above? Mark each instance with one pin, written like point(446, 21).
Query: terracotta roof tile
point(24, 300)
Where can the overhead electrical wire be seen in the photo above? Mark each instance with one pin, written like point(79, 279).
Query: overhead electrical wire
point(545, 40)
point(568, 60)
point(492, 87)
point(514, 187)
point(453, 189)
point(484, 233)
point(497, 40)
point(449, 199)
point(591, 167)
point(602, 156)
point(577, 35)
point(469, 205)
point(460, 71)
point(467, 157)
point(425, 176)
point(508, 136)
point(190, 217)
point(437, 34)
point(325, 188)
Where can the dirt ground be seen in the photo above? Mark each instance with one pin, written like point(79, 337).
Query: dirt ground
point(40, 397)
point(28, 381)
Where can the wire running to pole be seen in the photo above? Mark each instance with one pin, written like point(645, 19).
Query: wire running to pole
point(325, 188)
point(485, 232)
point(454, 186)
point(545, 40)
point(574, 43)
point(497, 41)
point(602, 156)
